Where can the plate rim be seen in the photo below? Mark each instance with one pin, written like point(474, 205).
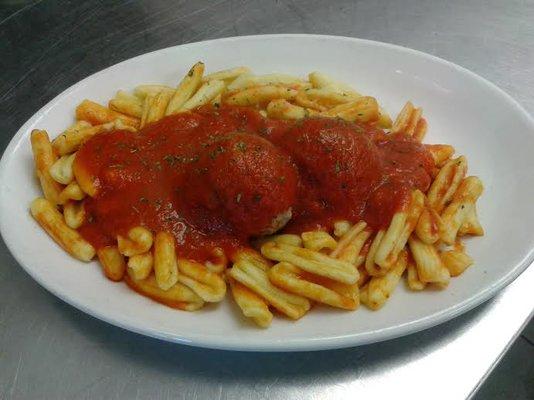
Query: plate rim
point(281, 344)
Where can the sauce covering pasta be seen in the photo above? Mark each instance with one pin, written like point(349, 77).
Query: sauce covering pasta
point(217, 177)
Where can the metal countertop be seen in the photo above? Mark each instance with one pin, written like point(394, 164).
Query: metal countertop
point(49, 350)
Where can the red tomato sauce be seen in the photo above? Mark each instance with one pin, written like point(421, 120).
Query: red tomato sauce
point(219, 177)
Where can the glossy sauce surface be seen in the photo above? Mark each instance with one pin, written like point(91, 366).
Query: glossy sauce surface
point(218, 177)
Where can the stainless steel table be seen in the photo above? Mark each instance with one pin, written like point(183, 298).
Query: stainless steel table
point(49, 350)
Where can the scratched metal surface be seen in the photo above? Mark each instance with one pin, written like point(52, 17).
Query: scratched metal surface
point(49, 350)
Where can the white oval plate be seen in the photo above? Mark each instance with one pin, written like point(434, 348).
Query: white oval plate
point(462, 109)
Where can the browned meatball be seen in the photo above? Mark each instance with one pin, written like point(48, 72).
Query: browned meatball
point(251, 181)
point(338, 165)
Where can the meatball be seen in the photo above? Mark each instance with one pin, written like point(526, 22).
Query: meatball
point(339, 165)
point(249, 181)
